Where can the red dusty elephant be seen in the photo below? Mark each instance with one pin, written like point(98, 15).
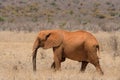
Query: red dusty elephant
point(80, 46)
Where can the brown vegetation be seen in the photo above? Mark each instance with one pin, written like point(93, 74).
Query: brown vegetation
point(66, 13)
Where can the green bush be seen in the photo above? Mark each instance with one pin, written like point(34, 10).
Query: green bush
point(2, 19)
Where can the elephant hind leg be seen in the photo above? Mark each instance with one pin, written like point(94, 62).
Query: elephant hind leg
point(83, 66)
point(63, 59)
point(53, 65)
point(98, 68)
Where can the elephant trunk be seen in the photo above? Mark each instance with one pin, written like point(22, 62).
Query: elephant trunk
point(34, 59)
point(34, 54)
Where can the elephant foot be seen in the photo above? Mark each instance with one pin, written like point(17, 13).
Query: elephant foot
point(98, 67)
point(54, 68)
point(100, 71)
point(83, 66)
point(53, 65)
point(58, 70)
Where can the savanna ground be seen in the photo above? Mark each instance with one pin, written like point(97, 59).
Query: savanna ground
point(16, 63)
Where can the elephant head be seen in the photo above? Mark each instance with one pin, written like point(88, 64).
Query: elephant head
point(46, 39)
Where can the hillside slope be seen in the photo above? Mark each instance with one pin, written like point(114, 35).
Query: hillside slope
point(61, 12)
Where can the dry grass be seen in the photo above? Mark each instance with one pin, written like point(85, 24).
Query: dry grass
point(16, 64)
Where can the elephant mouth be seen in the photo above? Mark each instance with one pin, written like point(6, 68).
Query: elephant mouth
point(41, 44)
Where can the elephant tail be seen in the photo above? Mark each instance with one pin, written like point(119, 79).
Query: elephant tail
point(98, 51)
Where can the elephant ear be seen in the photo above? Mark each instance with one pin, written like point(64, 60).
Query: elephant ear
point(53, 39)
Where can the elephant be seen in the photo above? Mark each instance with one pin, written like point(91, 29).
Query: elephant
point(79, 45)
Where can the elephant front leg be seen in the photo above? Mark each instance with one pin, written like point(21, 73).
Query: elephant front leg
point(57, 63)
point(57, 58)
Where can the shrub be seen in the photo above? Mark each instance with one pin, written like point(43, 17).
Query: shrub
point(71, 12)
point(109, 27)
point(53, 4)
point(114, 44)
point(2, 19)
point(62, 25)
point(108, 3)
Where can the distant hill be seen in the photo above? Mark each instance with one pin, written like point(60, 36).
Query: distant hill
point(75, 12)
